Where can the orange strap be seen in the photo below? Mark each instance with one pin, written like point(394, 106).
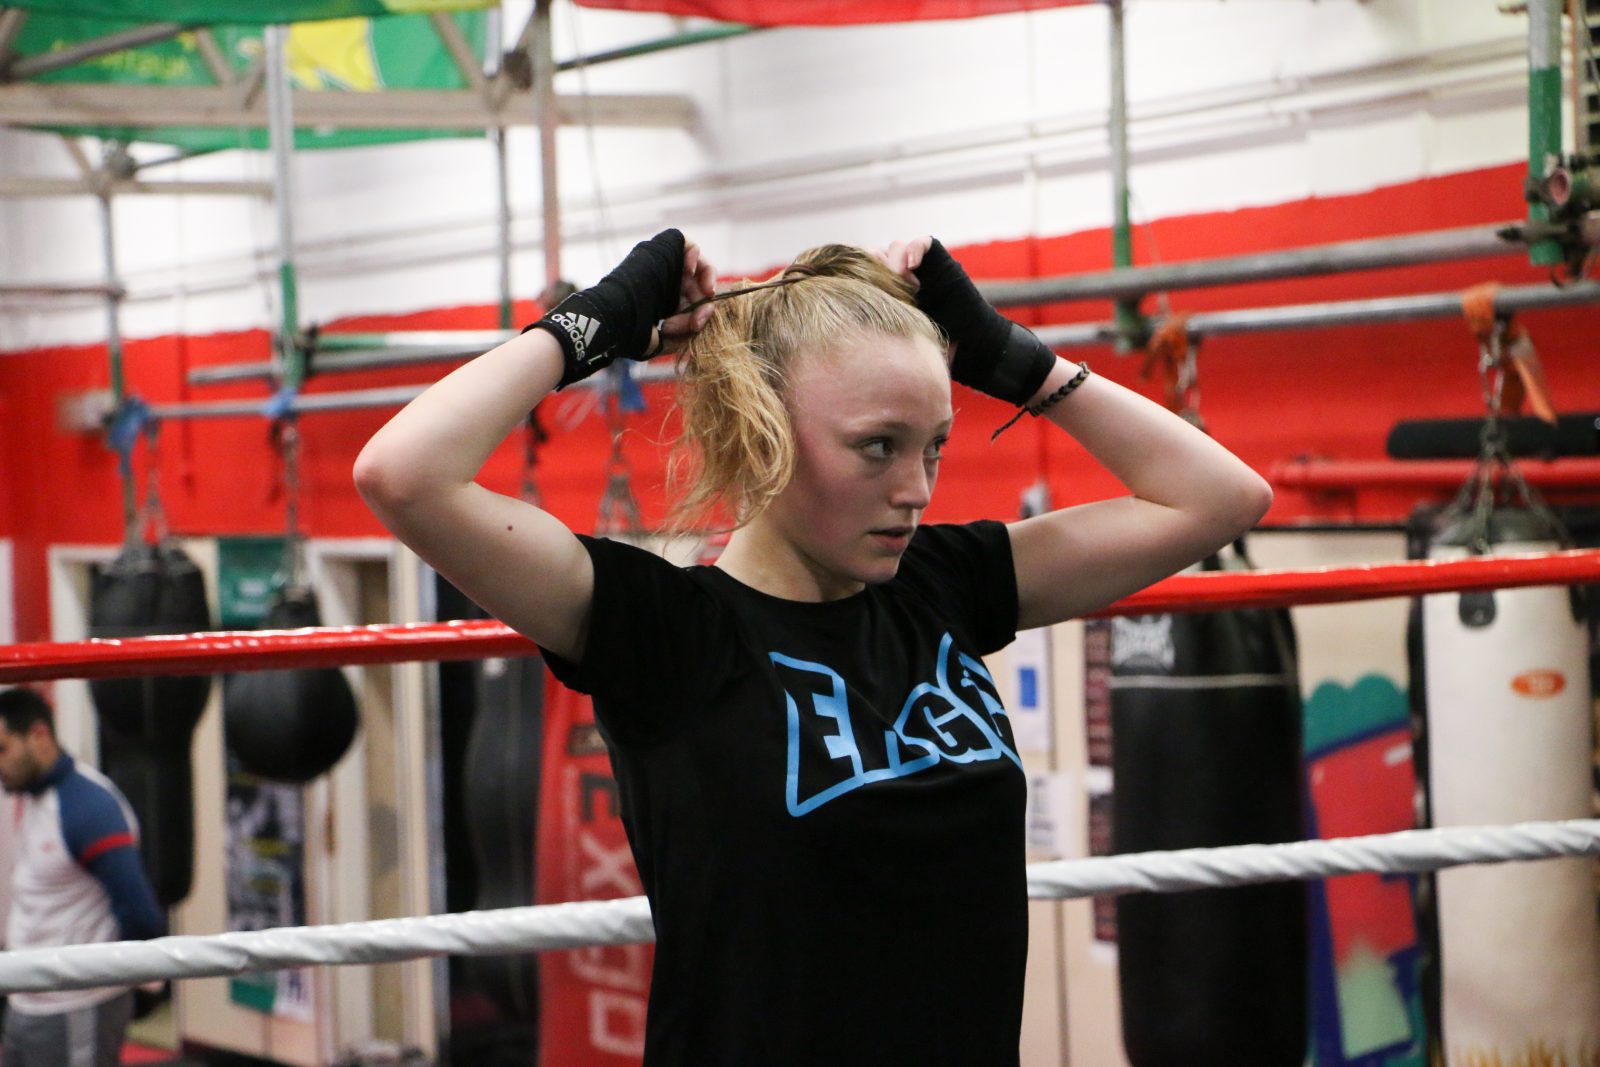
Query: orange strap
point(1528, 382)
point(1164, 356)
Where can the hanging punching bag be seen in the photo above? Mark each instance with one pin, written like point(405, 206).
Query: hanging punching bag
point(1205, 740)
point(290, 725)
point(501, 798)
point(1507, 733)
point(147, 724)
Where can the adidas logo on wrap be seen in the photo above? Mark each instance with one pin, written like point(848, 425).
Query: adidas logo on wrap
point(581, 328)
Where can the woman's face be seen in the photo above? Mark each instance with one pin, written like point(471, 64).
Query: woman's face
point(870, 419)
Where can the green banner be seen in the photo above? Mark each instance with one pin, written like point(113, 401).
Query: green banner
point(259, 12)
point(361, 55)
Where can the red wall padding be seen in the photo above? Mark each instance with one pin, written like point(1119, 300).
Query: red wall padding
point(1270, 397)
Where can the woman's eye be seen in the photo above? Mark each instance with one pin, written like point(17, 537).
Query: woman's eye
point(936, 450)
point(877, 448)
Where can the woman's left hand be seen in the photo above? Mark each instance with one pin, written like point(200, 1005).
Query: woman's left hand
point(903, 257)
point(699, 281)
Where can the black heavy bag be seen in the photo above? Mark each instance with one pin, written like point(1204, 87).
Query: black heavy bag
point(147, 724)
point(147, 590)
point(292, 725)
point(1205, 736)
point(501, 796)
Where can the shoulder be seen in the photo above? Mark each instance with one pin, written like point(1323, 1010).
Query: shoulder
point(937, 551)
point(965, 572)
point(91, 810)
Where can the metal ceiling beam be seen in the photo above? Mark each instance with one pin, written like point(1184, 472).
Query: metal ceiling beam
point(1508, 301)
point(455, 43)
point(15, 186)
point(93, 48)
point(11, 20)
point(211, 53)
point(62, 104)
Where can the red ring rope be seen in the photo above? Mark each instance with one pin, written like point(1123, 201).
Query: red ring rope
point(211, 653)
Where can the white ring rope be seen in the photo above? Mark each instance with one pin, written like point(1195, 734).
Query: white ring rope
point(616, 922)
point(1406, 852)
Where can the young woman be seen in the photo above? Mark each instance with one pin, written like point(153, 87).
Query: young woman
point(819, 781)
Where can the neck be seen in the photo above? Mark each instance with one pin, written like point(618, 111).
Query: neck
point(762, 558)
point(50, 762)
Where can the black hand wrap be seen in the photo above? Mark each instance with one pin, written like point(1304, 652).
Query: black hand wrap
point(613, 319)
point(993, 354)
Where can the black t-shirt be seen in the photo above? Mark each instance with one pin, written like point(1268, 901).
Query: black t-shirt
point(825, 804)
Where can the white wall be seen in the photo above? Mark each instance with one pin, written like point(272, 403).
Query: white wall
point(975, 130)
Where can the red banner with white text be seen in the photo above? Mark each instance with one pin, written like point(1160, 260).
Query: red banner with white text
point(831, 12)
point(592, 1000)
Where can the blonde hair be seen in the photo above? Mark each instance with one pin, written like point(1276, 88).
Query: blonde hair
point(735, 450)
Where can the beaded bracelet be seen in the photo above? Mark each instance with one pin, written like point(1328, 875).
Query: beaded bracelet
point(1044, 405)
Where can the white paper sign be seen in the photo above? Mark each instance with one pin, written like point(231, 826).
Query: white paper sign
point(1032, 710)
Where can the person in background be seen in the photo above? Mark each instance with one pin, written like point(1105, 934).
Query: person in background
point(78, 879)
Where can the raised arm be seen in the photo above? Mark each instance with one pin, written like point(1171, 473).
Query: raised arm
point(1190, 496)
point(518, 562)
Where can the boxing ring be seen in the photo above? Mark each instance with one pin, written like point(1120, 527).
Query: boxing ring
point(579, 924)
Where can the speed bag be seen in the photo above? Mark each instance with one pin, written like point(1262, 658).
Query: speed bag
point(1508, 735)
point(501, 797)
point(147, 724)
point(1205, 739)
point(289, 725)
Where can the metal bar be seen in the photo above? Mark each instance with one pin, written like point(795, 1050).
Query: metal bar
point(1343, 313)
point(1438, 246)
point(119, 387)
point(502, 221)
point(291, 361)
point(211, 52)
point(1129, 321)
point(91, 174)
point(544, 90)
point(131, 187)
point(645, 48)
point(359, 399)
point(30, 66)
point(85, 104)
point(455, 42)
point(1443, 474)
point(11, 20)
point(99, 289)
point(353, 400)
point(359, 342)
point(1544, 117)
point(369, 351)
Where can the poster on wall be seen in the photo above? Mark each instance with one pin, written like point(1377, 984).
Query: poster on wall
point(265, 874)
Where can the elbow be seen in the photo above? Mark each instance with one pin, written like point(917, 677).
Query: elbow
point(1253, 498)
point(382, 482)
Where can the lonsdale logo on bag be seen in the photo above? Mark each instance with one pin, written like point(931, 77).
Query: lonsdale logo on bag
point(581, 328)
point(1539, 683)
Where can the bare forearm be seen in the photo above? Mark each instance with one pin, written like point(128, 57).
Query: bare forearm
point(1157, 455)
point(444, 436)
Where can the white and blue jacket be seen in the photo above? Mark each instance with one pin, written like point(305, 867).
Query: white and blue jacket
point(78, 877)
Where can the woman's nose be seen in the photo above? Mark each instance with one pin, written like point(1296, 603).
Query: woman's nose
point(913, 487)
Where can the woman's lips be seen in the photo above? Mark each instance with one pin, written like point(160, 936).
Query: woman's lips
point(896, 537)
